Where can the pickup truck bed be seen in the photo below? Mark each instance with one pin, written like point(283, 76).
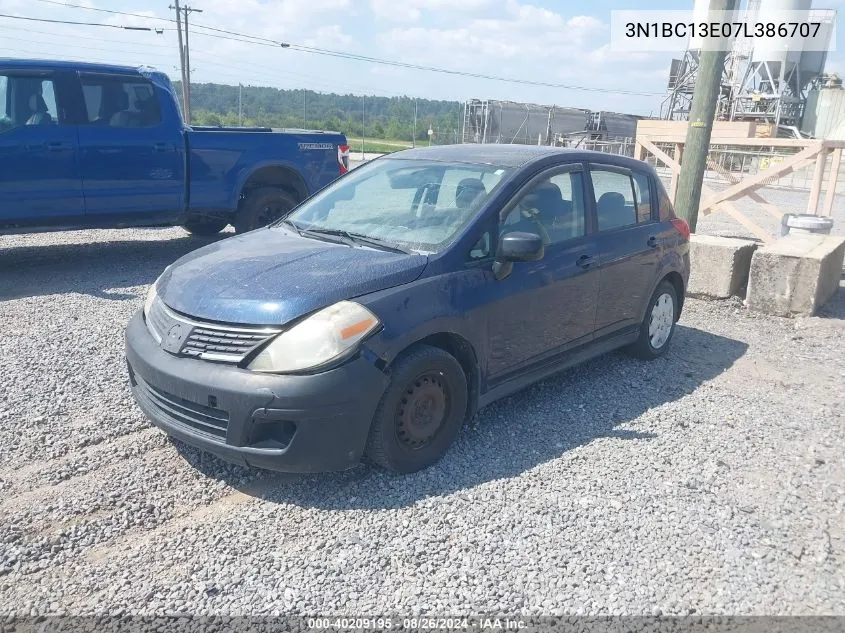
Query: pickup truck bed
point(91, 145)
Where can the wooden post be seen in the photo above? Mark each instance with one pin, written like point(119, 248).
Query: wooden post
point(678, 156)
point(639, 150)
point(818, 177)
point(835, 161)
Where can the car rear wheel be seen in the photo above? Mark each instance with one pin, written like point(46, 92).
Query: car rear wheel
point(658, 326)
point(263, 206)
point(420, 413)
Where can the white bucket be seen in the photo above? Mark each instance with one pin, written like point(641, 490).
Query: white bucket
point(804, 223)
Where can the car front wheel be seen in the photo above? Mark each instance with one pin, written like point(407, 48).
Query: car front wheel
point(658, 326)
point(420, 413)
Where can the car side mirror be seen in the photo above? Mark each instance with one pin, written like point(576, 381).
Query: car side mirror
point(516, 247)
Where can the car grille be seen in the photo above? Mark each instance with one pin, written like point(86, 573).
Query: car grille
point(211, 422)
point(203, 339)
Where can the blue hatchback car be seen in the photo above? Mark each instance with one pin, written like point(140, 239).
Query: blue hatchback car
point(388, 308)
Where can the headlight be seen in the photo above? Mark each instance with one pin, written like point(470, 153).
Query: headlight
point(320, 338)
point(148, 302)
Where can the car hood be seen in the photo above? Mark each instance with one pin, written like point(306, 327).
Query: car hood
point(271, 276)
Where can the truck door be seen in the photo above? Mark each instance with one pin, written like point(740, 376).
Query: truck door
point(131, 156)
point(39, 170)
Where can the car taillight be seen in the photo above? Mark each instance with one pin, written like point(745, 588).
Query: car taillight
point(681, 227)
point(343, 158)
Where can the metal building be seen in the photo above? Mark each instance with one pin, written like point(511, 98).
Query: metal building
point(491, 121)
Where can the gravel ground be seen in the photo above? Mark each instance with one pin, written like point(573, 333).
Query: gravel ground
point(711, 480)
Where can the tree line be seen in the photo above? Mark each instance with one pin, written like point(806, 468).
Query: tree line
point(376, 117)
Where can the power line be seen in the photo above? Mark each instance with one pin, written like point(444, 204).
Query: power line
point(254, 39)
point(112, 26)
point(80, 6)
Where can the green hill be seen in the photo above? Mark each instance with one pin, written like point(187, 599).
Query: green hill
point(385, 117)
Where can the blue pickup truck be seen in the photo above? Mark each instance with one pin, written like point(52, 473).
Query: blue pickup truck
point(92, 145)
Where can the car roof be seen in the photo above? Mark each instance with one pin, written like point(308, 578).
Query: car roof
point(40, 64)
point(511, 155)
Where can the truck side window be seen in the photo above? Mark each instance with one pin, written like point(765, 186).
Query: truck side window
point(26, 100)
point(120, 102)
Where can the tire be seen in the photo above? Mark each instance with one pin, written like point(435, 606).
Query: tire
point(263, 206)
point(420, 413)
point(204, 226)
point(658, 327)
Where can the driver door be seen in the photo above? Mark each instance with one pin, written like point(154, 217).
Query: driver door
point(39, 164)
point(546, 307)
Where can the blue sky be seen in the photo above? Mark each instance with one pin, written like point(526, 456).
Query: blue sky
point(563, 42)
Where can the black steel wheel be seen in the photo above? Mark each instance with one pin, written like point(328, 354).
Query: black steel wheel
point(420, 413)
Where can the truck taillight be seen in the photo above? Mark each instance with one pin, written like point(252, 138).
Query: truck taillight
point(343, 158)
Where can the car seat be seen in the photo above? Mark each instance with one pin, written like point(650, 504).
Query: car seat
point(613, 212)
point(468, 192)
point(40, 114)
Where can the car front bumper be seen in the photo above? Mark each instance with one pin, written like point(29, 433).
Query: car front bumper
point(304, 423)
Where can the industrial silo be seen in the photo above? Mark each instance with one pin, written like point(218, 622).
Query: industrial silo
point(772, 90)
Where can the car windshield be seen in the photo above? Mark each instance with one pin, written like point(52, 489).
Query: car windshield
point(415, 205)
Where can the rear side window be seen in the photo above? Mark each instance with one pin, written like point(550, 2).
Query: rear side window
point(643, 193)
point(614, 197)
point(666, 209)
point(120, 101)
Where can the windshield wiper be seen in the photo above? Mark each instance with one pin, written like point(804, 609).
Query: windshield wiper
point(379, 243)
point(292, 225)
point(320, 233)
point(356, 238)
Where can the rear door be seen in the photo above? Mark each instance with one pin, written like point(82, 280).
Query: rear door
point(132, 160)
point(39, 169)
point(628, 242)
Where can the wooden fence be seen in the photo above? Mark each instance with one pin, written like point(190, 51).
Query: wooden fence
point(792, 155)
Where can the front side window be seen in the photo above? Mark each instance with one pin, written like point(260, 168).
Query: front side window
point(418, 205)
point(552, 208)
point(120, 101)
point(27, 101)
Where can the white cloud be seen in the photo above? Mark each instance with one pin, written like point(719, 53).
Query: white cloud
point(413, 10)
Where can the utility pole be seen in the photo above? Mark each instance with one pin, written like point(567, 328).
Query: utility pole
point(363, 123)
point(415, 123)
point(240, 104)
point(185, 55)
point(181, 57)
point(702, 112)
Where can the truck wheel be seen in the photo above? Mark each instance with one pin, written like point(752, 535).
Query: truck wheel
point(420, 413)
point(203, 226)
point(262, 207)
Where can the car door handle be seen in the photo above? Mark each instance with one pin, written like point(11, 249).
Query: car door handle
point(162, 147)
point(58, 146)
point(652, 242)
point(585, 261)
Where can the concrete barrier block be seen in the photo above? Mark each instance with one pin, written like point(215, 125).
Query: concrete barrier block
point(719, 266)
point(795, 275)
